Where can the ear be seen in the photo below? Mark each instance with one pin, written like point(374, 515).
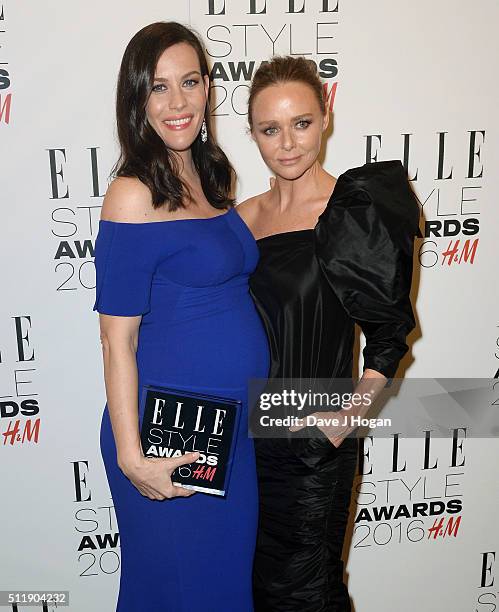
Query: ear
point(325, 120)
point(206, 79)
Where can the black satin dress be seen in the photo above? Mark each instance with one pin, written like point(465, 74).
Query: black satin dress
point(311, 287)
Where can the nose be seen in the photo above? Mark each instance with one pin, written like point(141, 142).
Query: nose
point(287, 140)
point(177, 99)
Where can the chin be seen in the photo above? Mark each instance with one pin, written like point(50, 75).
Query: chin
point(178, 144)
point(290, 173)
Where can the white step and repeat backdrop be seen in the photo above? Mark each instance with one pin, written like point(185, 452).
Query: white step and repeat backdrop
point(409, 81)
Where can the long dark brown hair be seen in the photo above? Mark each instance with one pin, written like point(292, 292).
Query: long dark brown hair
point(143, 153)
point(283, 69)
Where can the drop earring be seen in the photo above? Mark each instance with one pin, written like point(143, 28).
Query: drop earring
point(204, 132)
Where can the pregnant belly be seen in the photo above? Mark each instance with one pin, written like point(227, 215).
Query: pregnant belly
point(216, 349)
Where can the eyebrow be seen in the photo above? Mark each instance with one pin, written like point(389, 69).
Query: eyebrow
point(270, 121)
point(163, 79)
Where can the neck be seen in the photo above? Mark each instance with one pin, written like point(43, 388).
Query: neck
point(288, 192)
point(186, 166)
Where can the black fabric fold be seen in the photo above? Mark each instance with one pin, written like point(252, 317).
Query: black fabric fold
point(364, 243)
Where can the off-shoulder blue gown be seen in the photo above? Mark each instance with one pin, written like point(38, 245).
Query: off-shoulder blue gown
point(199, 331)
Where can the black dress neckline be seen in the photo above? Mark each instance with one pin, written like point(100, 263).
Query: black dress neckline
point(352, 178)
point(290, 233)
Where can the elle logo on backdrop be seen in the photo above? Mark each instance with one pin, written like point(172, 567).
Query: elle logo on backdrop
point(259, 7)
point(410, 503)
point(241, 35)
point(451, 205)
point(5, 80)
point(17, 387)
point(74, 222)
point(98, 539)
point(488, 590)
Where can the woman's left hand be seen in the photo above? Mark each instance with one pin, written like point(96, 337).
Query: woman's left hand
point(334, 425)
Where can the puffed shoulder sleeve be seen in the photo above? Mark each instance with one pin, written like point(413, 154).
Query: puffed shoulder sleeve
point(365, 242)
point(125, 262)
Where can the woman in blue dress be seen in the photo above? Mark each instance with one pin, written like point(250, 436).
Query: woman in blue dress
point(173, 259)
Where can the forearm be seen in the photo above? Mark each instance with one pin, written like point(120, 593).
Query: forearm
point(370, 386)
point(121, 380)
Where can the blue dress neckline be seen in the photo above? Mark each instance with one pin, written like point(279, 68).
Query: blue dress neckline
point(165, 220)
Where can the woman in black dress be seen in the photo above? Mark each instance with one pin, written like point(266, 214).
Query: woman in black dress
point(332, 253)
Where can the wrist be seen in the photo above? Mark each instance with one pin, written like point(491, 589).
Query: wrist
point(129, 458)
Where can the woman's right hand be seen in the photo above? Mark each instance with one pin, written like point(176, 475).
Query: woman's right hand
point(152, 475)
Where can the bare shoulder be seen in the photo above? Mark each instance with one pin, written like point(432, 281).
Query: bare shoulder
point(127, 200)
point(250, 209)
